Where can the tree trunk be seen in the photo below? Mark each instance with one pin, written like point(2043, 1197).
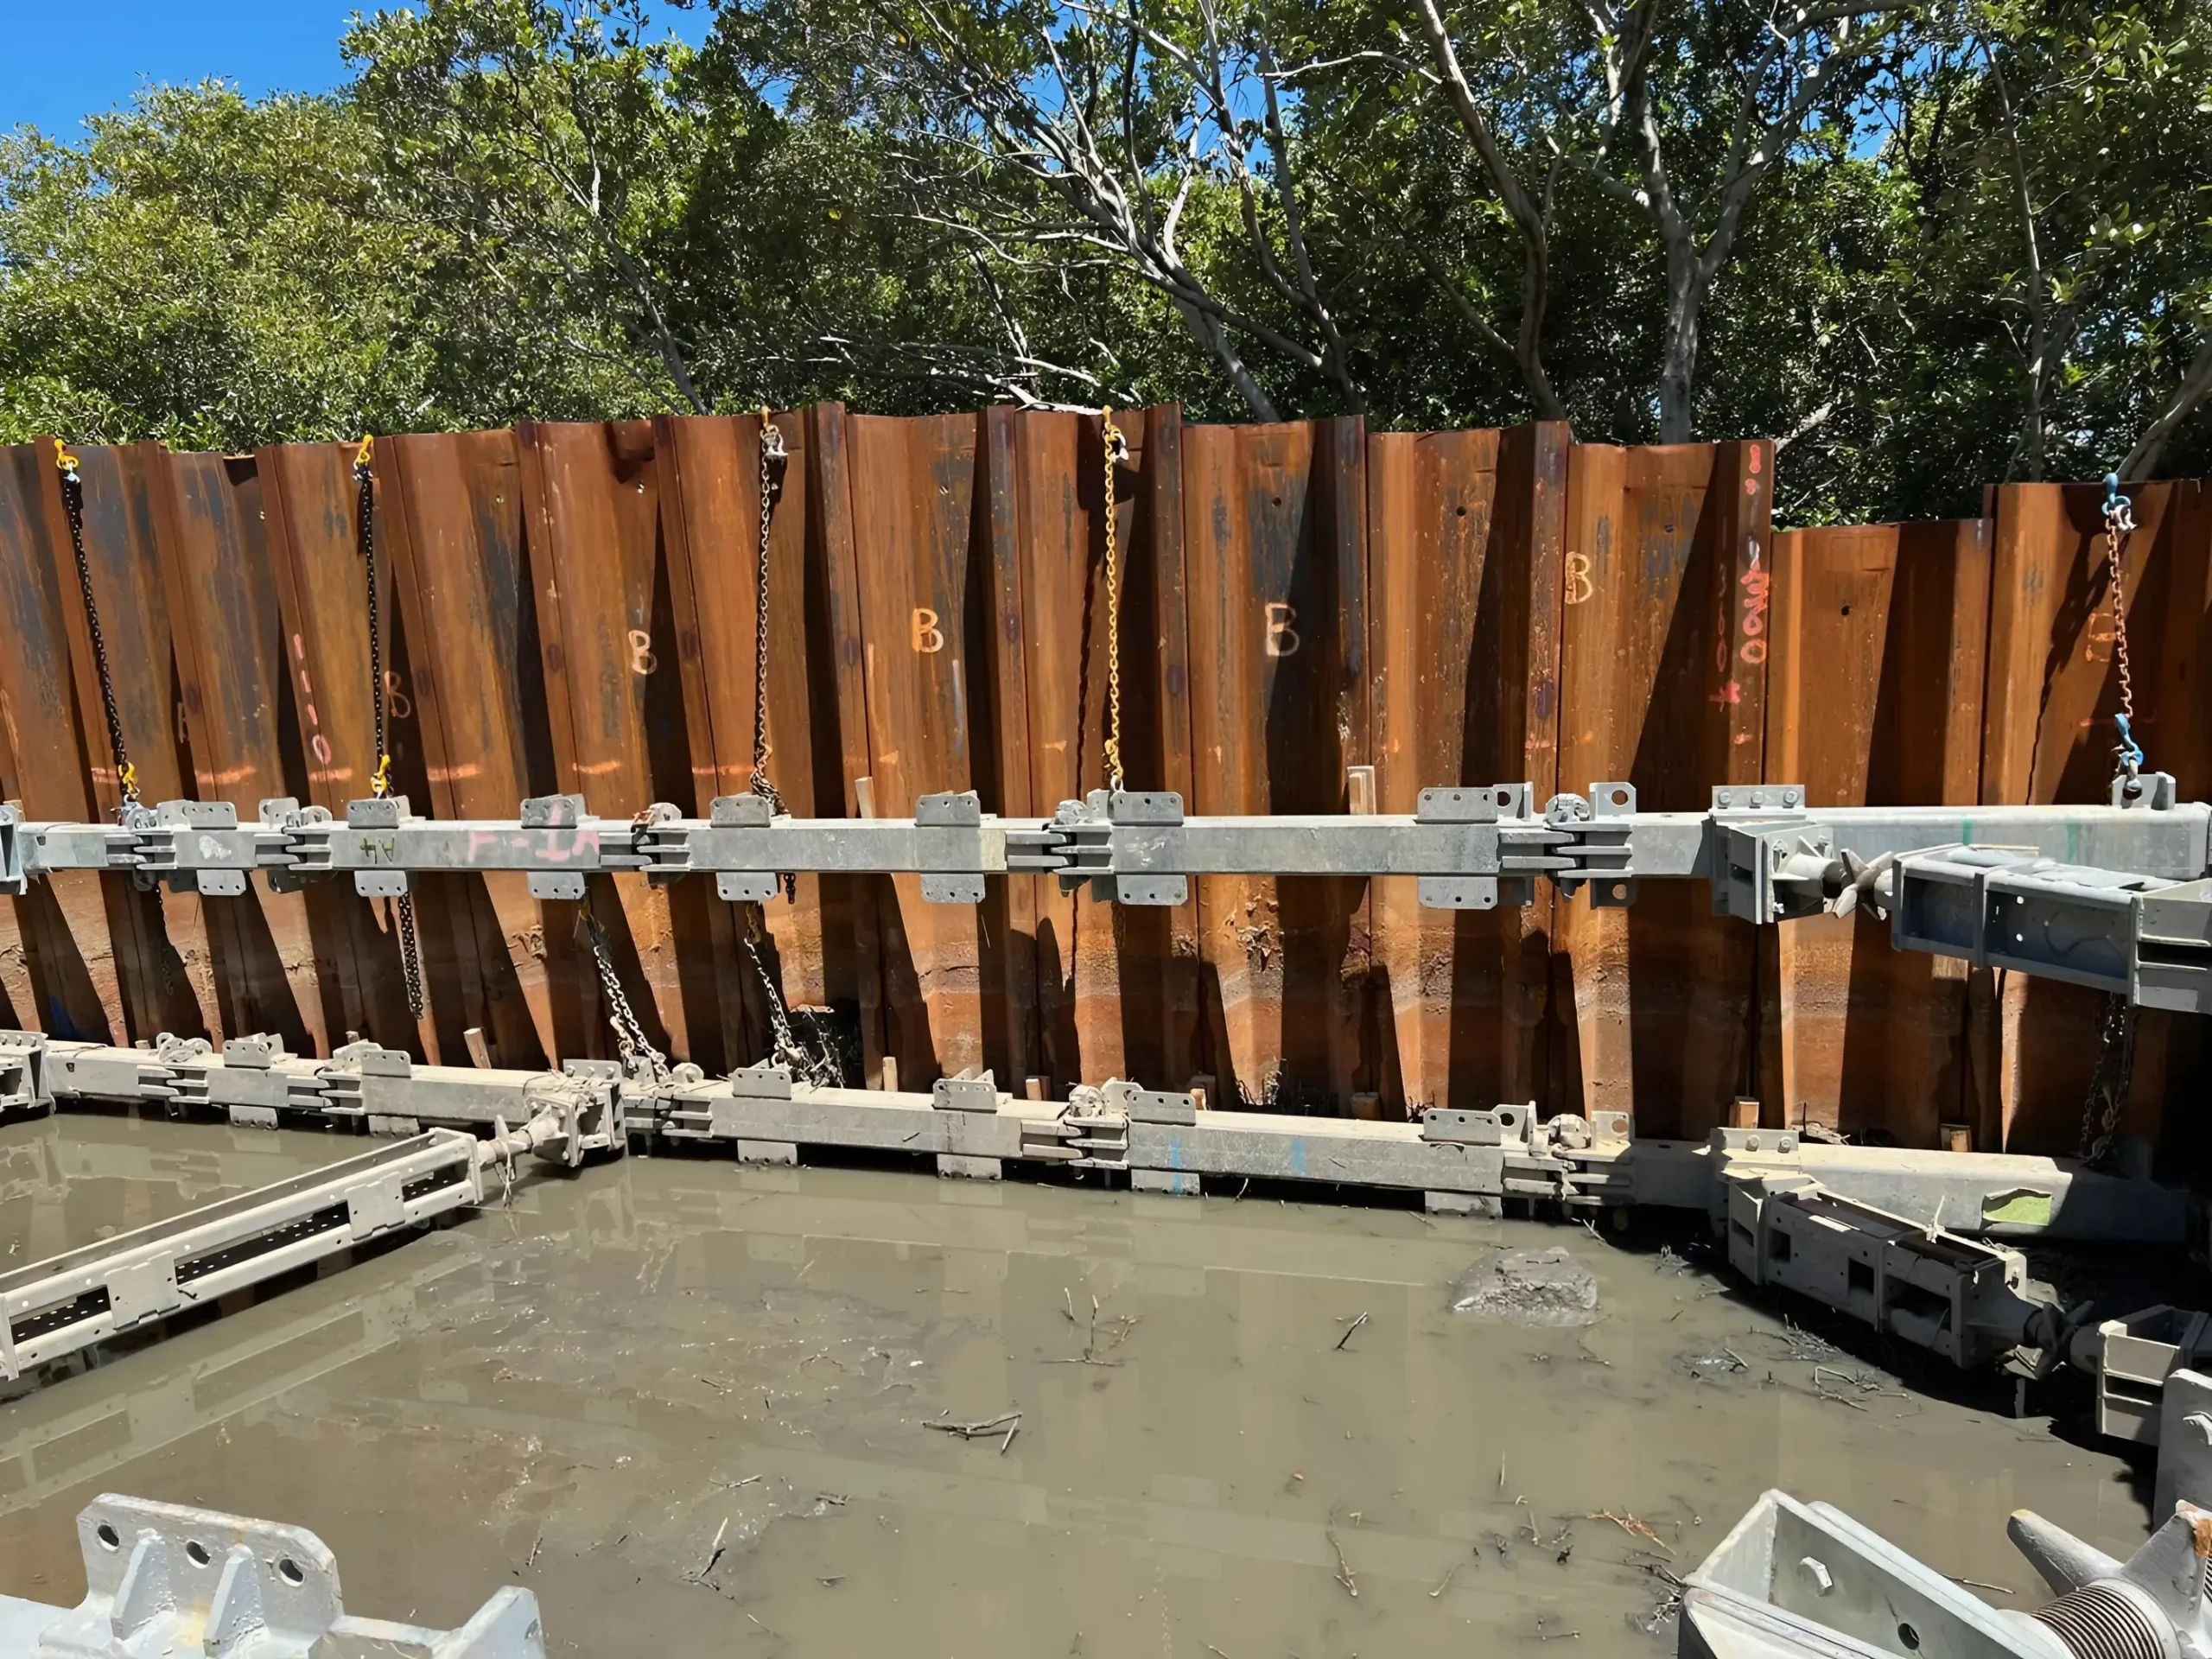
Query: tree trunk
point(1211, 335)
point(1678, 362)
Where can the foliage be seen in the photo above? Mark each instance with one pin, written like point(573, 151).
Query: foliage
point(1926, 242)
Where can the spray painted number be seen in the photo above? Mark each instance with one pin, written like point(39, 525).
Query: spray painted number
point(1283, 639)
point(929, 638)
point(642, 660)
point(1753, 649)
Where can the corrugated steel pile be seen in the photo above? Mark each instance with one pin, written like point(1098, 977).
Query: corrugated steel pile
point(1315, 618)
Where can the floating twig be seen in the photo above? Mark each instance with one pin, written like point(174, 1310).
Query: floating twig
point(1447, 1584)
point(713, 1553)
point(1343, 1567)
point(1350, 1330)
point(980, 1428)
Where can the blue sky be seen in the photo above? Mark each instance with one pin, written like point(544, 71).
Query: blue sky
point(66, 58)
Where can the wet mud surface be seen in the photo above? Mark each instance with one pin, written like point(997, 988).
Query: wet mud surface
point(703, 1410)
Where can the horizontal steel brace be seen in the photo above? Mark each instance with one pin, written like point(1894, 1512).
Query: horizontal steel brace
point(1767, 858)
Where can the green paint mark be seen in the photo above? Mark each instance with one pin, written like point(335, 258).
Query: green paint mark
point(2022, 1207)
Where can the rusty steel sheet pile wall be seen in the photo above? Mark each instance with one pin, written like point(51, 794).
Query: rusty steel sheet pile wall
point(1873, 697)
point(1664, 655)
point(2048, 735)
point(1466, 556)
point(1274, 536)
point(1313, 618)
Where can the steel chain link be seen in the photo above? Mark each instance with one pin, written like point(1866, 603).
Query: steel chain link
point(410, 949)
point(2110, 1083)
point(773, 455)
point(821, 1070)
point(631, 1042)
point(2119, 524)
point(1117, 448)
point(72, 503)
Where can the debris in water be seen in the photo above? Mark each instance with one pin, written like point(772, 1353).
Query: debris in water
point(980, 1428)
point(1447, 1584)
point(1532, 1286)
point(1353, 1328)
point(1722, 1361)
point(714, 1552)
point(1343, 1567)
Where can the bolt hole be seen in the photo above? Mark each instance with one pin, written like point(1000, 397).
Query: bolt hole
point(106, 1534)
point(1909, 1637)
point(1459, 512)
point(288, 1570)
point(1620, 890)
point(1620, 798)
point(196, 1553)
point(1846, 610)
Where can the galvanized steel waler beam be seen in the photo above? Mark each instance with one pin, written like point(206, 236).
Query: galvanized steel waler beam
point(2113, 896)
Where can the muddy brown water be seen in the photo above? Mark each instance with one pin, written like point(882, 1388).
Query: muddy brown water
point(698, 1409)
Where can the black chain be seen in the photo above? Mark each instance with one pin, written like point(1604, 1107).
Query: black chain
point(73, 502)
point(410, 949)
point(773, 455)
point(2110, 1083)
point(364, 495)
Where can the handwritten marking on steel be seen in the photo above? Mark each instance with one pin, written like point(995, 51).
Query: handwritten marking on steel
point(929, 638)
point(1282, 637)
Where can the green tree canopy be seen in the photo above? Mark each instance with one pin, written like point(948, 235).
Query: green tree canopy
point(1925, 244)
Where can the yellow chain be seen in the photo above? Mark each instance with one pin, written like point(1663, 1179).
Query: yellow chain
point(63, 460)
point(380, 783)
point(1113, 442)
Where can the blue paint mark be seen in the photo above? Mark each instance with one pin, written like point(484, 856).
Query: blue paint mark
point(1298, 1155)
point(1174, 1152)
